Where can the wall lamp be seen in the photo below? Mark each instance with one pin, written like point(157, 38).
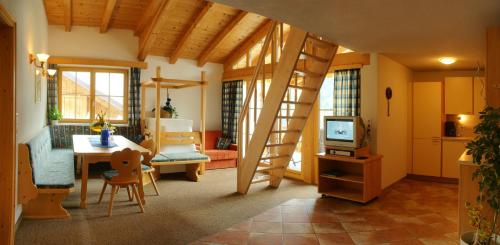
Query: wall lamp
point(42, 59)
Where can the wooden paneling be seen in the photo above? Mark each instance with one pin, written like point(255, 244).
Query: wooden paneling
point(106, 17)
point(7, 127)
point(493, 67)
point(152, 33)
point(68, 14)
point(95, 62)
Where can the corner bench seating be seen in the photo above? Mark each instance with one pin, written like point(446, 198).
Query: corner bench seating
point(46, 177)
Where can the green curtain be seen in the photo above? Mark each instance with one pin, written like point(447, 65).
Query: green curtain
point(347, 93)
point(232, 100)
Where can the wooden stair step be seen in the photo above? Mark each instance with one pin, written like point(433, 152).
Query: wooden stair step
point(306, 73)
point(303, 88)
point(286, 131)
point(291, 117)
point(320, 43)
point(297, 102)
point(280, 144)
point(315, 57)
point(260, 178)
point(267, 168)
point(274, 157)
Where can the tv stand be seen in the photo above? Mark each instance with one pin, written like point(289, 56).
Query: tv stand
point(349, 178)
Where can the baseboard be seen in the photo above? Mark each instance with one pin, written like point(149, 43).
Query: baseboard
point(432, 179)
point(18, 223)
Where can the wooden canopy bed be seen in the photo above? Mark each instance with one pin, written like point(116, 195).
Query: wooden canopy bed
point(195, 160)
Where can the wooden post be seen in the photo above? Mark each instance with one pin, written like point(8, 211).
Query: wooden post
point(492, 67)
point(202, 117)
point(158, 110)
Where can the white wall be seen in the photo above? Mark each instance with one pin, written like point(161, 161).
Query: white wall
point(123, 45)
point(392, 131)
point(369, 96)
point(31, 37)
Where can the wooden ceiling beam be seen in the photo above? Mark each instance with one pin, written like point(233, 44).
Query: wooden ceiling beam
point(148, 14)
point(68, 15)
point(151, 33)
point(187, 33)
point(249, 43)
point(106, 17)
point(212, 46)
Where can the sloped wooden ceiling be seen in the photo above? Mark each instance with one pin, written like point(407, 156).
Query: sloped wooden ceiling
point(192, 29)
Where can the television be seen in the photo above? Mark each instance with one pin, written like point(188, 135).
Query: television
point(343, 131)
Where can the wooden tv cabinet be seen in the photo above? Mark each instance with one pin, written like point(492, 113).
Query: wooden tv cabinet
point(355, 179)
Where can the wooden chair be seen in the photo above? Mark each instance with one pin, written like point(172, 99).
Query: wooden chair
point(126, 166)
point(146, 162)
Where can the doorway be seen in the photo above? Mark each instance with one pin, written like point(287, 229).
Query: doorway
point(7, 127)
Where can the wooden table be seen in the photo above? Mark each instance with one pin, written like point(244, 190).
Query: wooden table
point(88, 154)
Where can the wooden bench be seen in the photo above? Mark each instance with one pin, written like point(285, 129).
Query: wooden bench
point(46, 177)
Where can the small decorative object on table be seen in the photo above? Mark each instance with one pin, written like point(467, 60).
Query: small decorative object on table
point(105, 135)
point(100, 123)
point(54, 115)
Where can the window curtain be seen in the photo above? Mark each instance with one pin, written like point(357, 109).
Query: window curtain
point(347, 92)
point(134, 101)
point(51, 91)
point(232, 100)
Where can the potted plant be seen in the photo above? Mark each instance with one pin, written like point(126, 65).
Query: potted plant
point(485, 151)
point(100, 122)
point(168, 110)
point(54, 115)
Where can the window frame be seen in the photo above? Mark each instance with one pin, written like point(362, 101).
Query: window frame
point(93, 72)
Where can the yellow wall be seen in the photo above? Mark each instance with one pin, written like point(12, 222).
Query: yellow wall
point(392, 131)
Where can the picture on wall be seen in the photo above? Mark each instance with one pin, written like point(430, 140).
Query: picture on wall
point(38, 86)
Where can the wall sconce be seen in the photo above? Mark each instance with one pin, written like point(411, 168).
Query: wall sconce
point(42, 58)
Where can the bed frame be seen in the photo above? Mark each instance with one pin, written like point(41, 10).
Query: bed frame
point(194, 168)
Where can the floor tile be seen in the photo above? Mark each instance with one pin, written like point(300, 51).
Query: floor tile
point(265, 239)
point(337, 238)
point(228, 237)
point(266, 227)
point(243, 226)
point(357, 226)
point(383, 236)
point(325, 228)
point(300, 228)
point(300, 239)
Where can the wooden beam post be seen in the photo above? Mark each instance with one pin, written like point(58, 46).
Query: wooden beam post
point(249, 43)
point(106, 17)
point(203, 114)
point(187, 33)
point(212, 46)
point(146, 17)
point(493, 67)
point(158, 111)
point(68, 13)
point(151, 33)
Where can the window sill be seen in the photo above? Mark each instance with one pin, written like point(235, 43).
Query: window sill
point(88, 124)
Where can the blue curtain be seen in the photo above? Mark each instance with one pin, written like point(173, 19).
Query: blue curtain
point(347, 93)
point(232, 100)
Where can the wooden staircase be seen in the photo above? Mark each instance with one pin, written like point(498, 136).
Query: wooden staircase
point(296, 81)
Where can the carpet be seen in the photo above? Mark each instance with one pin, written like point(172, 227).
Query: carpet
point(185, 211)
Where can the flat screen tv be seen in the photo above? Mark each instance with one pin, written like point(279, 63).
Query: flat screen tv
point(344, 132)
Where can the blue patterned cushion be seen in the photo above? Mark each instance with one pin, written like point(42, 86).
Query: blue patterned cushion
point(174, 157)
point(52, 168)
point(146, 167)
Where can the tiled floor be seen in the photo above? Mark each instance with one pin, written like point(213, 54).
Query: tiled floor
point(409, 212)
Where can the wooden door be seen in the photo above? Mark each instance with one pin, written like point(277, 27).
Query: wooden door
point(427, 157)
point(427, 110)
point(7, 127)
point(452, 150)
point(458, 95)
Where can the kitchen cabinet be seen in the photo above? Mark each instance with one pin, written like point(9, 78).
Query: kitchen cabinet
point(458, 95)
point(427, 157)
point(479, 94)
point(427, 112)
point(452, 150)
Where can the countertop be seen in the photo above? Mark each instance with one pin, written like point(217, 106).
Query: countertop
point(461, 138)
point(465, 159)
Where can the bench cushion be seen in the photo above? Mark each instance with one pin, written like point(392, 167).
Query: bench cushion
point(57, 171)
point(174, 157)
point(52, 168)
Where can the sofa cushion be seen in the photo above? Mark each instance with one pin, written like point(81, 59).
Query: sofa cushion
point(211, 139)
point(56, 170)
point(221, 154)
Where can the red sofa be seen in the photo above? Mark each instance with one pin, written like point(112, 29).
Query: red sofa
point(219, 158)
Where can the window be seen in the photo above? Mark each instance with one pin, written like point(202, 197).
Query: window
point(84, 92)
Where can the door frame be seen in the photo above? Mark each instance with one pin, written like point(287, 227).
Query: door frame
point(7, 124)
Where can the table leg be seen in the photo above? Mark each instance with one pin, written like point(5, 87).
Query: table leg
point(141, 190)
point(79, 160)
point(85, 176)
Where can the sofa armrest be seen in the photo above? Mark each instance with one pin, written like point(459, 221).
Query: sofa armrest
point(233, 147)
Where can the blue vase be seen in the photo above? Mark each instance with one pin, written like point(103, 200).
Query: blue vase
point(105, 137)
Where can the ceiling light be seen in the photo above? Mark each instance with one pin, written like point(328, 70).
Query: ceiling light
point(447, 60)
